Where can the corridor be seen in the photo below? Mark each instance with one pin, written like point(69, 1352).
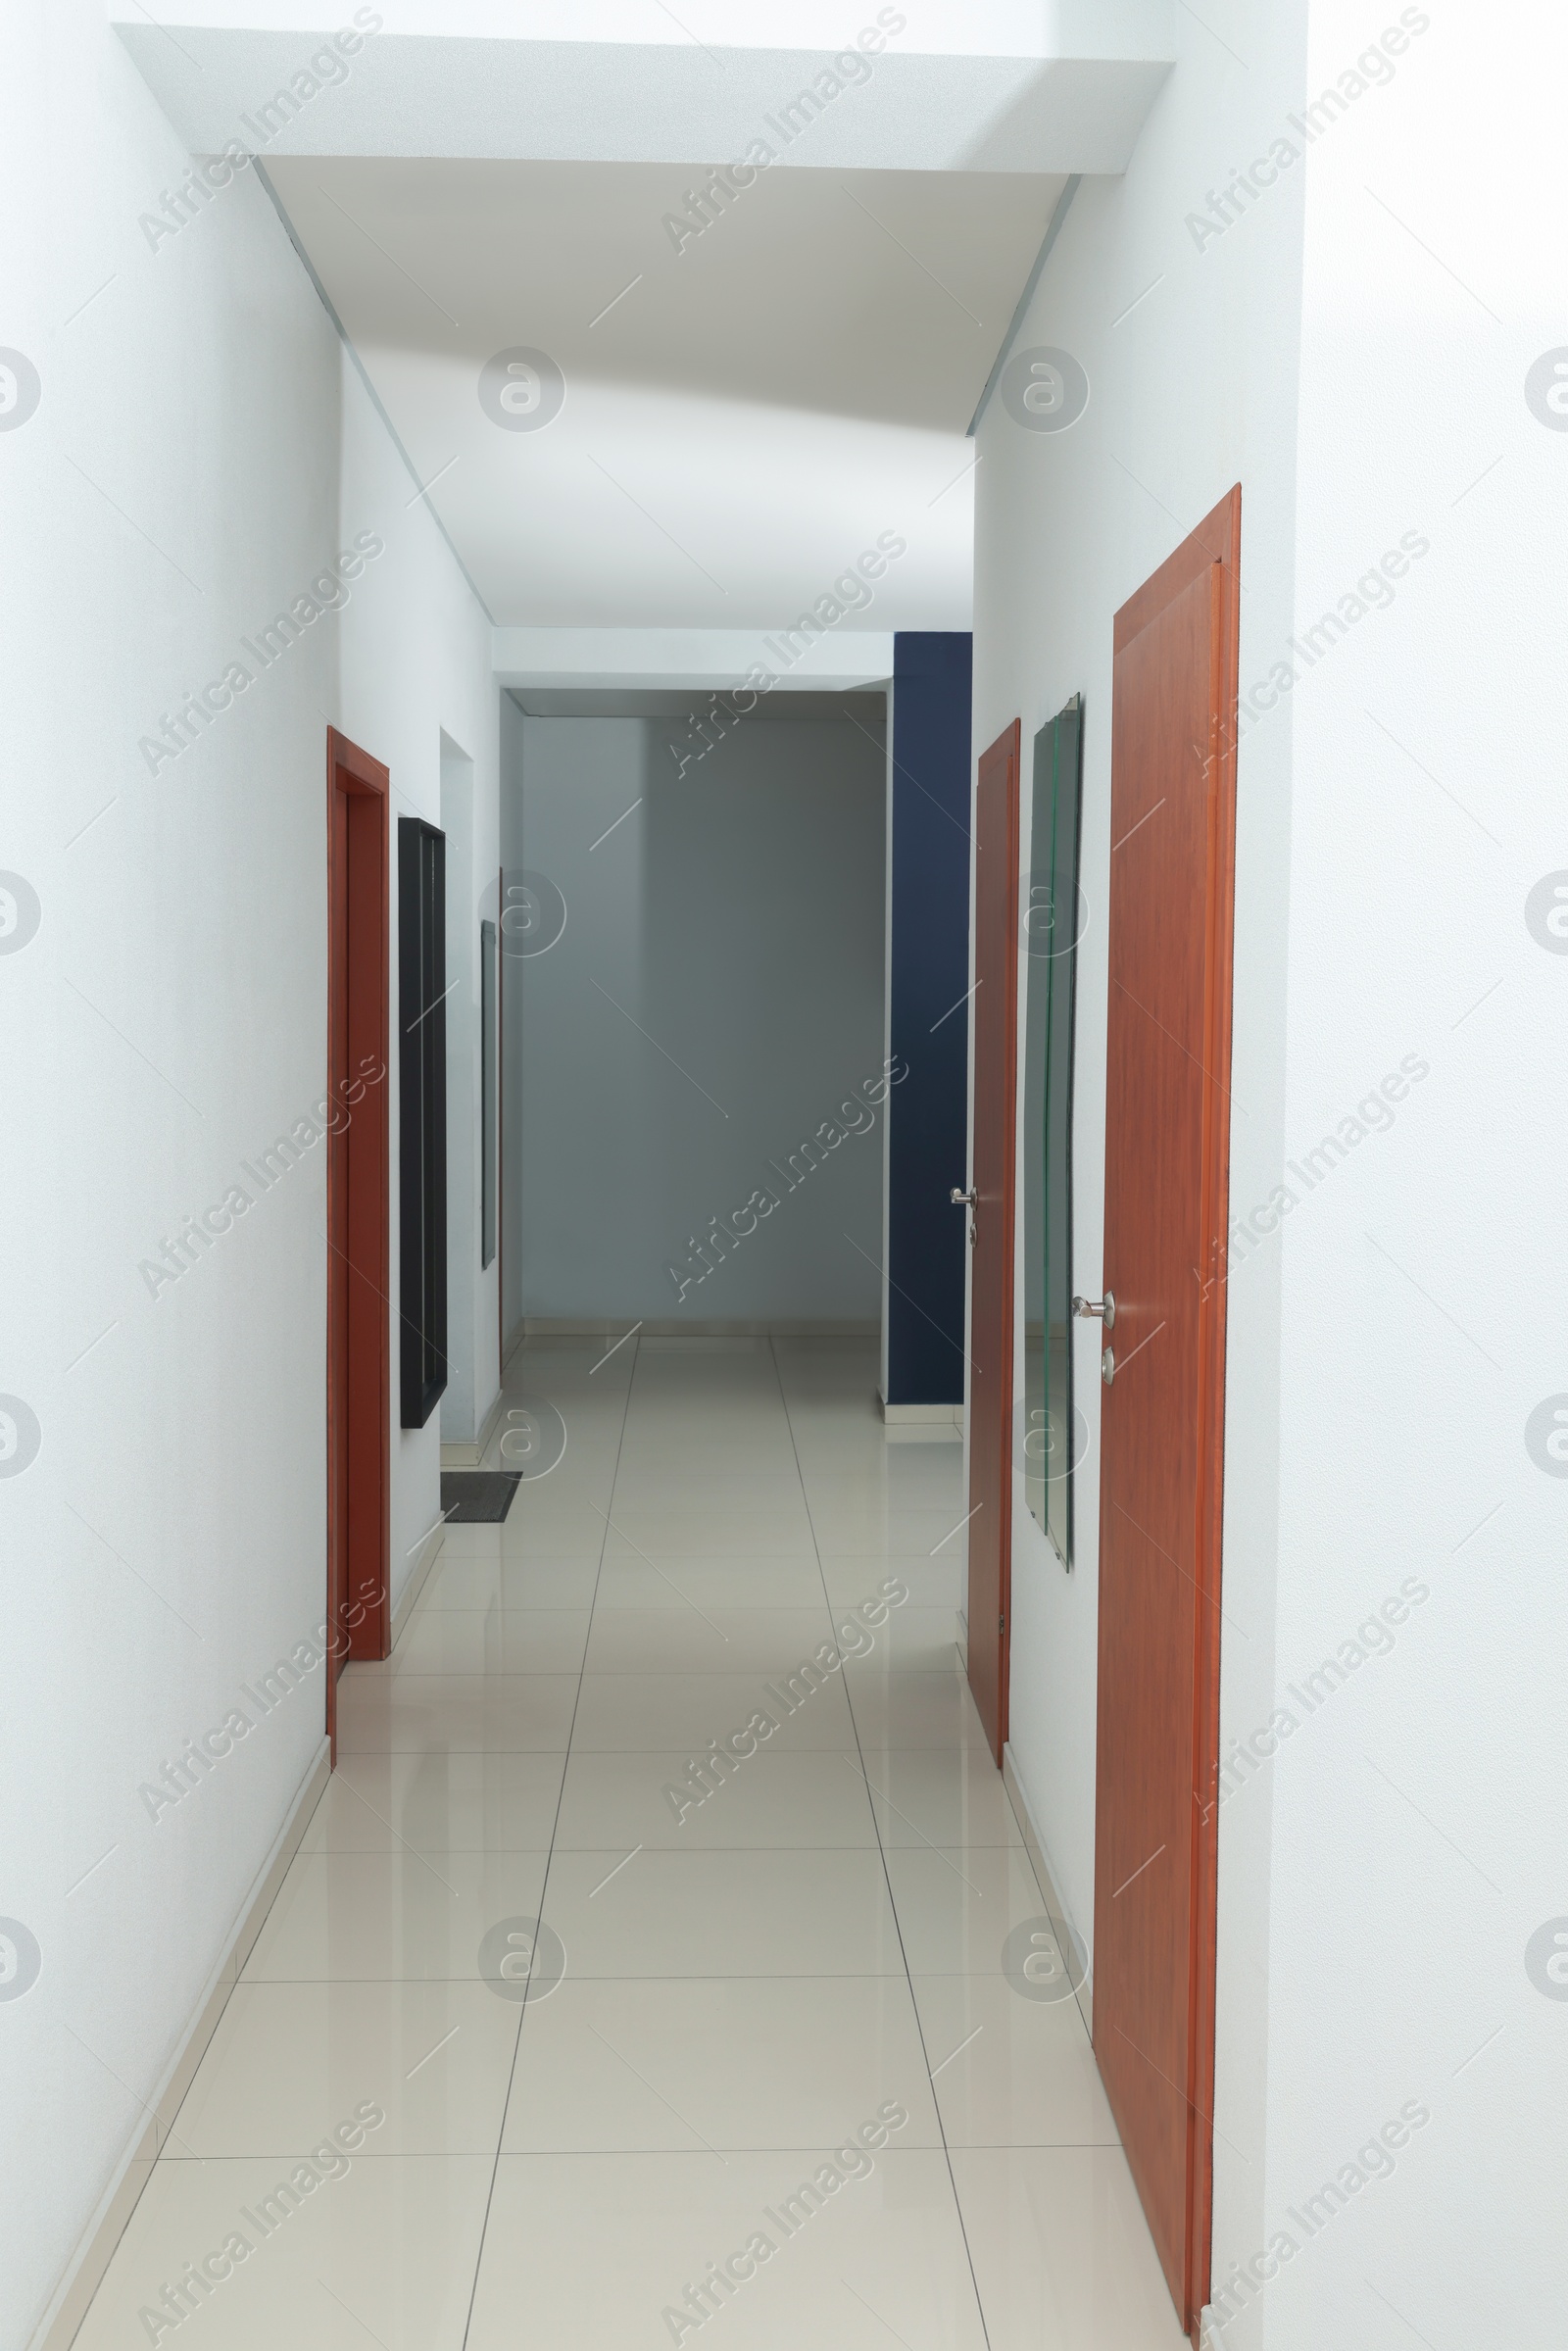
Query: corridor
point(772, 2034)
point(796, 774)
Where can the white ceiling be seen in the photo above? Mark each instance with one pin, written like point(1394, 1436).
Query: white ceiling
point(747, 418)
point(992, 86)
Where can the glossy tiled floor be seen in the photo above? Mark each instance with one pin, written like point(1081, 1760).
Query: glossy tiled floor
point(816, 1946)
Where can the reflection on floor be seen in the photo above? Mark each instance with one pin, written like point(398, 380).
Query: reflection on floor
point(770, 2079)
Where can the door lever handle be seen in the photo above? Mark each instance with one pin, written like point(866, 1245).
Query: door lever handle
point(1103, 1308)
point(963, 1200)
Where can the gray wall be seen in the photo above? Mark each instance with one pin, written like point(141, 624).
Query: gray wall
point(713, 1000)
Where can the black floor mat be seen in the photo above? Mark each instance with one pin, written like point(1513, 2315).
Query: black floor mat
point(478, 1498)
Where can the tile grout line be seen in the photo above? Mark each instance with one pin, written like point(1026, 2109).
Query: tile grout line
point(544, 1885)
point(897, 1929)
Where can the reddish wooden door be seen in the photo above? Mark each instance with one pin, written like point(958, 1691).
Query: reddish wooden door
point(993, 1181)
point(357, 1309)
point(1172, 823)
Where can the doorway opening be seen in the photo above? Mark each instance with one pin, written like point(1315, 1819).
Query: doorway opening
point(691, 955)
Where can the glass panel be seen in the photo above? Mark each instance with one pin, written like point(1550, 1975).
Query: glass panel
point(1064, 1424)
point(488, 1091)
point(1036, 1030)
point(1052, 924)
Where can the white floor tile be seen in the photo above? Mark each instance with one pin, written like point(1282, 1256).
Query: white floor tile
point(770, 1484)
point(723, 1582)
point(1062, 2254)
point(808, 1707)
point(724, 1913)
point(738, 1532)
point(454, 1713)
point(464, 1803)
point(906, 1478)
point(383, 2250)
point(288, 2060)
point(909, 1640)
point(739, 2063)
point(915, 1710)
point(939, 1582)
point(396, 1917)
point(560, 1531)
point(883, 1530)
point(526, 1535)
point(806, 1797)
point(493, 1640)
point(957, 1908)
point(1011, 2071)
point(489, 1576)
point(940, 1796)
point(596, 2247)
point(726, 1640)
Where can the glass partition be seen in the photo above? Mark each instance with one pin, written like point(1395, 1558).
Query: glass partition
point(1053, 1431)
point(489, 1089)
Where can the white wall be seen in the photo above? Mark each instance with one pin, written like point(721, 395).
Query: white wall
point(1352, 349)
point(1191, 388)
point(178, 484)
point(714, 999)
point(1418, 1820)
point(416, 670)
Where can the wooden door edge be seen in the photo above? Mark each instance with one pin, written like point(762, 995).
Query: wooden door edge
point(335, 926)
point(1220, 533)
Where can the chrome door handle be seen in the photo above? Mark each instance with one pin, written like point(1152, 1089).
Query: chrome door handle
point(963, 1200)
point(1104, 1308)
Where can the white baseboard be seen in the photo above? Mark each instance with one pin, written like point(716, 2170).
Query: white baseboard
point(468, 1452)
point(943, 1416)
point(83, 2273)
point(429, 1553)
point(1055, 1908)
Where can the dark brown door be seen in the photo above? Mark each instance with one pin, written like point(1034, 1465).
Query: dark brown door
point(992, 1179)
point(358, 1310)
point(1172, 824)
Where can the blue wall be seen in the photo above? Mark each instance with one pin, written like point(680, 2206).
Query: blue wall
point(928, 973)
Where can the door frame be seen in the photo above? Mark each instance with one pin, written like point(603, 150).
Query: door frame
point(359, 1374)
point(1219, 537)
